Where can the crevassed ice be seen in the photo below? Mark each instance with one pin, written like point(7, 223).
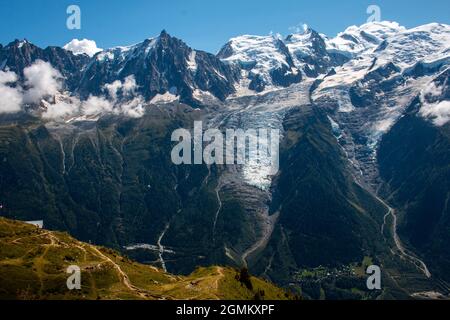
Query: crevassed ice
point(257, 170)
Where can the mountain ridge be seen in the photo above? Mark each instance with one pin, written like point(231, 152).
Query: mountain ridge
point(38, 259)
point(105, 174)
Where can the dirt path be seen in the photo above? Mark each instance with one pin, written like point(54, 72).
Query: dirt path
point(123, 275)
point(207, 285)
point(220, 277)
point(398, 243)
point(40, 261)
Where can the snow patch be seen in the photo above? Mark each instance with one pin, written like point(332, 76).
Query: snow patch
point(164, 98)
point(191, 62)
point(261, 52)
point(358, 39)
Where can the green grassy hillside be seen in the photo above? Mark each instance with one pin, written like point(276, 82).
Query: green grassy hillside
point(33, 265)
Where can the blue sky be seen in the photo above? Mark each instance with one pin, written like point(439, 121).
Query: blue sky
point(205, 25)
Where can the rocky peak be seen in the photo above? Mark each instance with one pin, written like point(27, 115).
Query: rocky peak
point(160, 65)
point(19, 54)
point(310, 53)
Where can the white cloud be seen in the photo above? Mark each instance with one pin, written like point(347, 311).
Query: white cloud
point(128, 105)
point(60, 110)
point(439, 112)
point(126, 88)
point(10, 97)
point(96, 105)
point(276, 35)
point(42, 80)
point(129, 85)
point(113, 88)
point(299, 28)
point(7, 77)
point(431, 90)
point(133, 108)
point(85, 46)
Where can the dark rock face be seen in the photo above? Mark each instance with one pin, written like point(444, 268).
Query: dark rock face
point(379, 81)
point(413, 160)
point(159, 65)
point(257, 83)
point(285, 76)
point(226, 51)
point(207, 80)
point(18, 55)
point(68, 64)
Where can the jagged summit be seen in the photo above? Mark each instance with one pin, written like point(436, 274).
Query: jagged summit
point(357, 39)
point(159, 64)
point(266, 60)
point(108, 178)
point(165, 64)
point(310, 53)
point(20, 54)
point(18, 43)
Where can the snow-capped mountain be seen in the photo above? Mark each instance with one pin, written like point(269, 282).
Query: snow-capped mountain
point(268, 62)
point(371, 72)
point(160, 65)
point(358, 39)
point(18, 55)
point(311, 54)
point(401, 61)
point(379, 64)
point(368, 94)
point(265, 61)
point(109, 179)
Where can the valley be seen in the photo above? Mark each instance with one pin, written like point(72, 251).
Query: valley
point(363, 147)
